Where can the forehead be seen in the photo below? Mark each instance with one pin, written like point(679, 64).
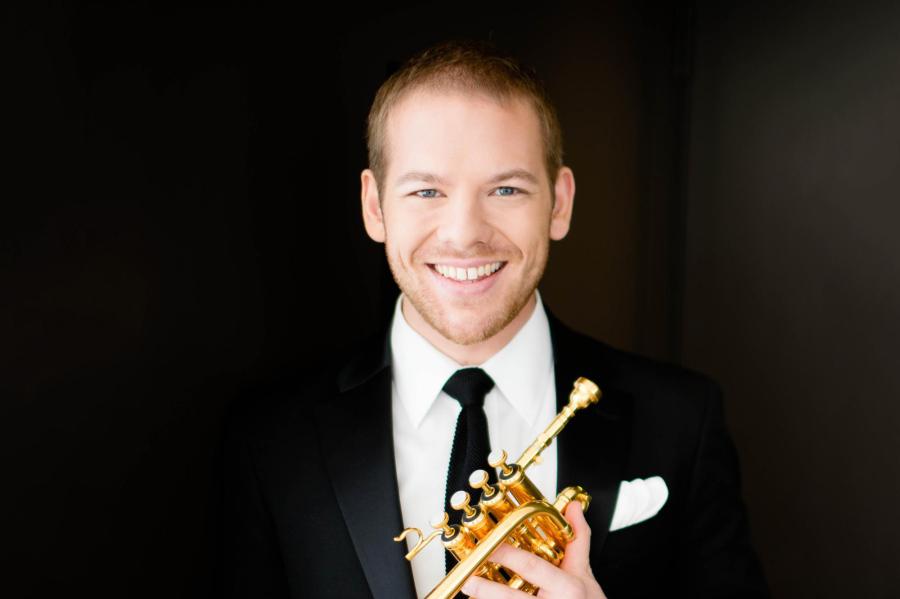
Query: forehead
point(459, 135)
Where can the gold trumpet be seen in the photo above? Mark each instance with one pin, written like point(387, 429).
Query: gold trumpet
point(512, 511)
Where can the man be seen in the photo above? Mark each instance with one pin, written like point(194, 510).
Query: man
point(466, 188)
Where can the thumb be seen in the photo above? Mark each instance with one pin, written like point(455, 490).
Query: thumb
point(577, 557)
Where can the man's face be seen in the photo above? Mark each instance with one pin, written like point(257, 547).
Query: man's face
point(466, 237)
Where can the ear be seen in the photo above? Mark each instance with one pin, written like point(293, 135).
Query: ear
point(564, 192)
point(371, 206)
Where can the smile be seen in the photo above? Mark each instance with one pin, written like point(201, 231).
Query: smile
point(471, 273)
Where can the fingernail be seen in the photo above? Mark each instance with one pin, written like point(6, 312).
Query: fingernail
point(468, 588)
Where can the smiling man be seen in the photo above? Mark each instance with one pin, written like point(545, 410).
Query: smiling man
point(466, 213)
point(466, 189)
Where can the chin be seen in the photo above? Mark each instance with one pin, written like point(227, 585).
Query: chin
point(468, 332)
point(466, 337)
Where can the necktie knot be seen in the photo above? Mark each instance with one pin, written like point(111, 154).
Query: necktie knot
point(468, 386)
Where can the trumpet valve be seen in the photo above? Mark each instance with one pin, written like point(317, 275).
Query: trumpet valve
point(497, 459)
point(456, 539)
point(460, 501)
point(441, 522)
point(479, 480)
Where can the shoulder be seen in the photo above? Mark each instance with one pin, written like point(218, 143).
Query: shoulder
point(282, 405)
point(669, 389)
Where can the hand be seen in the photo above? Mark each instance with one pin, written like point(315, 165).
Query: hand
point(573, 579)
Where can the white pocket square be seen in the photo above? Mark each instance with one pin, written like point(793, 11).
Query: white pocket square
point(638, 500)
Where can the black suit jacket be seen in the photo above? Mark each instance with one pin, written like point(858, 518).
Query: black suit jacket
point(311, 500)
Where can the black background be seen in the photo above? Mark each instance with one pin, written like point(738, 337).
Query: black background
point(180, 225)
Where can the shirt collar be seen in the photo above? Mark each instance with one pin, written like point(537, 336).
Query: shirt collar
point(521, 369)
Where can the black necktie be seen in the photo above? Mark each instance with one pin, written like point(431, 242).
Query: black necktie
point(471, 445)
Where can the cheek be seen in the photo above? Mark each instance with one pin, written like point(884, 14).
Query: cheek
point(531, 241)
point(402, 240)
point(406, 223)
point(526, 227)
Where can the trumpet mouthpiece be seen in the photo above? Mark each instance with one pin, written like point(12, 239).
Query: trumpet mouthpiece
point(584, 394)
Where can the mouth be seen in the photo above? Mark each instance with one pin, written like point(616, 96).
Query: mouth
point(468, 274)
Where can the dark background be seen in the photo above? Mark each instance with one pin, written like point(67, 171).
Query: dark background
point(180, 225)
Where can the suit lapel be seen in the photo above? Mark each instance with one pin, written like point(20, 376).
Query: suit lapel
point(358, 445)
point(593, 448)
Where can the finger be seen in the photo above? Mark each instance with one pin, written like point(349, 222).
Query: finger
point(532, 568)
point(482, 588)
point(577, 557)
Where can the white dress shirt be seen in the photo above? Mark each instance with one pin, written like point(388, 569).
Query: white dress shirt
point(518, 408)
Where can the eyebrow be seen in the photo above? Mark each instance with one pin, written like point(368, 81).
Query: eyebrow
point(515, 173)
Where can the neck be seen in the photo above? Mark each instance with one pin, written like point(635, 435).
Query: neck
point(475, 353)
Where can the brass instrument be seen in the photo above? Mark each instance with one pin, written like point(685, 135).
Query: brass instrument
point(513, 511)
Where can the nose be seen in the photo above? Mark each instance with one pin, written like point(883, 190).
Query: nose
point(463, 223)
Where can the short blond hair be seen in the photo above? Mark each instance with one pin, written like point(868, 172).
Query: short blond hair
point(471, 66)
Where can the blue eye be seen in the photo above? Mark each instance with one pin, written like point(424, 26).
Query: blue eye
point(515, 191)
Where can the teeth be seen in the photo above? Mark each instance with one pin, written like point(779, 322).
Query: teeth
point(467, 274)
